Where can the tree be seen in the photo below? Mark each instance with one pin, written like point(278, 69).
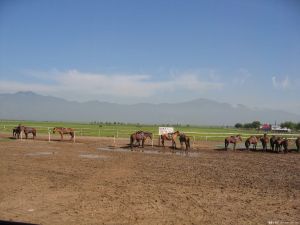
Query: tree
point(255, 124)
point(288, 124)
point(238, 125)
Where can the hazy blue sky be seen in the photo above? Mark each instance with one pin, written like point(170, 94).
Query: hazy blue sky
point(234, 51)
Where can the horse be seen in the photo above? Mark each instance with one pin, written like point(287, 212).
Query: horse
point(272, 143)
point(285, 144)
point(251, 140)
point(28, 130)
point(186, 140)
point(16, 132)
point(264, 141)
point(280, 142)
point(233, 140)
point(169, 137)
point(298, 144)
point(139, 136)
point(63, 130)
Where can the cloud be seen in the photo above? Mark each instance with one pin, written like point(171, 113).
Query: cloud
point(73, 84)
point(243, 76)
point(281, 84)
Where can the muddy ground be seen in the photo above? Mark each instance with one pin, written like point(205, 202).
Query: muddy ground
point(94, 182)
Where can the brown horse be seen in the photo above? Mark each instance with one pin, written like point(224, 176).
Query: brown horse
point(139, 136)
point(169, 137)
point(232, 139)
point(281, 142)
point(264, 141)
point(186, 140)
point(298, 144)
point(251, 140)
point(29, 130)
point(63, 130)
point(26, 130)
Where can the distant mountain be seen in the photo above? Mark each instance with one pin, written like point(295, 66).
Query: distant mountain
point(31, 106)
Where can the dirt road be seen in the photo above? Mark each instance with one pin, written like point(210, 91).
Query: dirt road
point(91, 183)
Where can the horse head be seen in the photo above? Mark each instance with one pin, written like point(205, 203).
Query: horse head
point(239, 137)
point(54, 130)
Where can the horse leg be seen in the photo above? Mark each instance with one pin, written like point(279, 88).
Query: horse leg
point(226, 144)
point(234, 144)
point(61, 136)
point(26, 135)
point(143, 141)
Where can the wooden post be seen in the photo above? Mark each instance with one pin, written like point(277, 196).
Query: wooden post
point(194, 141)
point(74, 139)
point(49, 137)
point(158, 140)
point(152, 142)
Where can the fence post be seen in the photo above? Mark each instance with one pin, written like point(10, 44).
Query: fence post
point(193, 141)
point(49, 138)
point(74, 139)
point(99, 132)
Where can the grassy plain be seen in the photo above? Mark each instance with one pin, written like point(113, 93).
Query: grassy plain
point(124, 130)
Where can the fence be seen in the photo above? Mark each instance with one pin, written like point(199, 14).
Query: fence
point(125, 133)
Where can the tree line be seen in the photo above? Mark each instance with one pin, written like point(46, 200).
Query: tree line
point(257, 124)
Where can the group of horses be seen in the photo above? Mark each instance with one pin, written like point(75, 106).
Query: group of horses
point(141, 136)
point(17, 131)
point(277, 144)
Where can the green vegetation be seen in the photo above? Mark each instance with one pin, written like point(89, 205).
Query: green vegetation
point(123, 130)
point(291, 125)
point(253, 125)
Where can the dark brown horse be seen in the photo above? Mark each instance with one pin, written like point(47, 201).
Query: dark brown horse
point(186, 140)
point(169, 137)
point(138, 137)
point(264, 141)
point(63, 130)
point(16, 132)
point(29, 130)
point(252, 140)
point(298, 144)
point(232, 139)
point(26, 130)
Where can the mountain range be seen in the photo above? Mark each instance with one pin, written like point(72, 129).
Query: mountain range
point(31, 106)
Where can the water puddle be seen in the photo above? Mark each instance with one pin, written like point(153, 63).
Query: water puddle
point(40, 153)
point(153, 152)
point(93, 156)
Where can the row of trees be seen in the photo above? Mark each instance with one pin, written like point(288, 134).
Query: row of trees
point(257, 124)
point(291, 125)
point(254, 124)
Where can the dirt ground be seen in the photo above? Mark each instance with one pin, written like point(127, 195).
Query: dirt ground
point(93, 182)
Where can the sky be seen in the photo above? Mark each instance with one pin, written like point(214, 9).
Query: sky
point(133, 51)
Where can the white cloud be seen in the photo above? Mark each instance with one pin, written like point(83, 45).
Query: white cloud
point(281, 84)
point(243, 76)
point(87, 86)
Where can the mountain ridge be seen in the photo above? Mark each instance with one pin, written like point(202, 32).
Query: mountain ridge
point(32, 106)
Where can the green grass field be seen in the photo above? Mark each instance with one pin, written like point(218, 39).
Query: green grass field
point(124, 130)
